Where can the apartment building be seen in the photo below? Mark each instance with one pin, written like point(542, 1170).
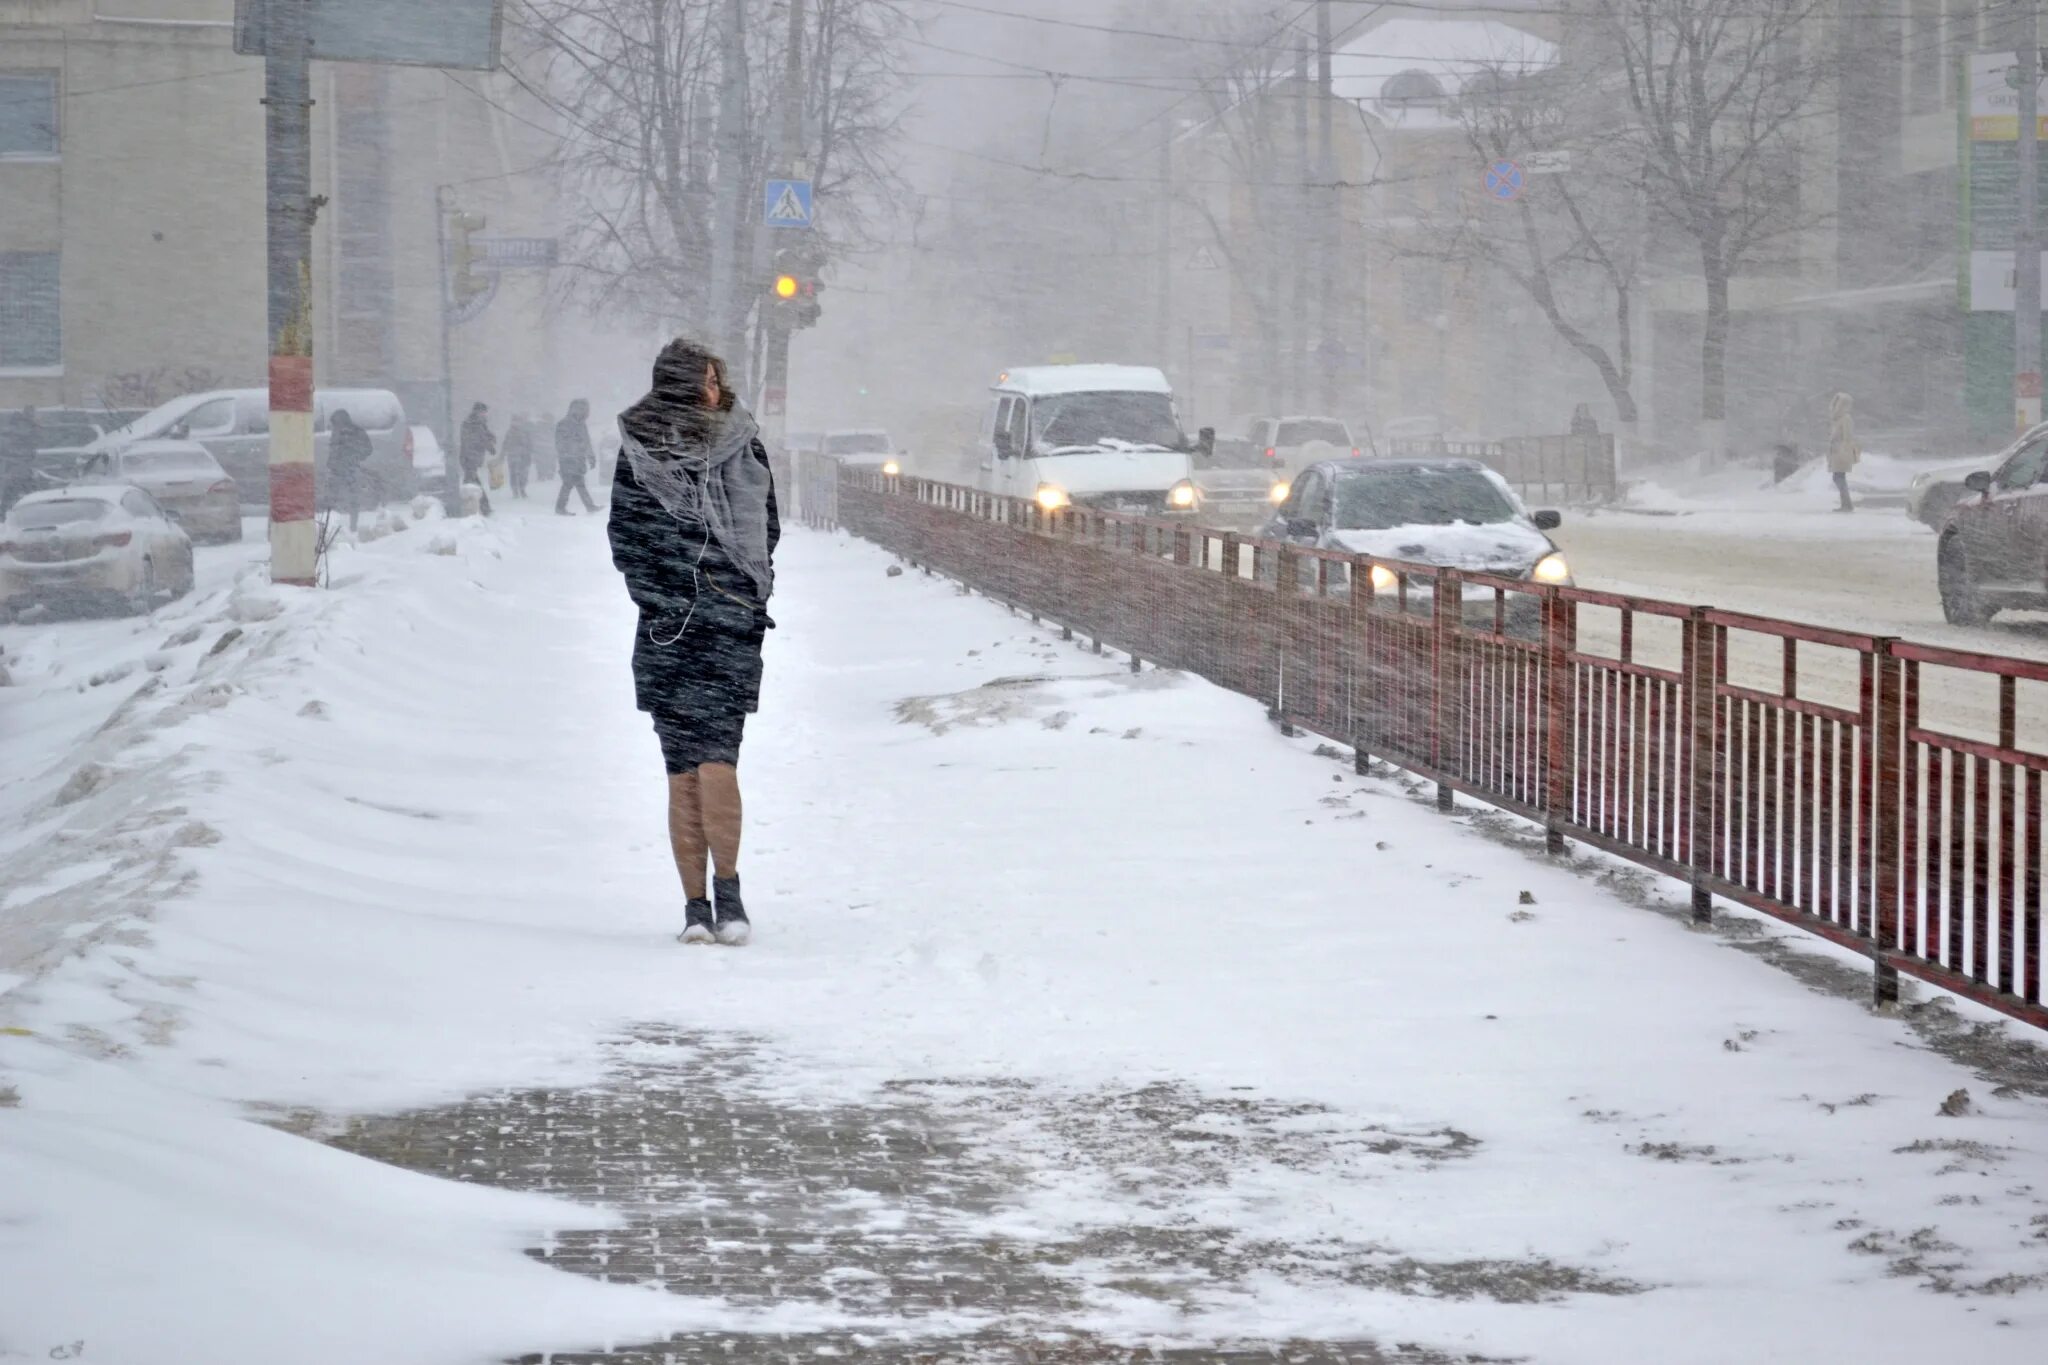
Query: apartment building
point(132, 254)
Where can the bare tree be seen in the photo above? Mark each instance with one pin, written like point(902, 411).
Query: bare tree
point(1718, 99)
point(641, 86)
point(1572, 240)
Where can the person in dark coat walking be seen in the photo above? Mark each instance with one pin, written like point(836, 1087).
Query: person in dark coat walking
point(519, 452)
point(348, 452)
point(477, 446)
point(573, 452)
point(693, 530)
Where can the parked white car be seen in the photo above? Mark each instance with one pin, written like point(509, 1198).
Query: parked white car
point(185, 480)
point(234, 427)
point(92, 543)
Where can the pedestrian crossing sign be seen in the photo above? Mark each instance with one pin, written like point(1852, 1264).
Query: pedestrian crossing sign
point(787, 204)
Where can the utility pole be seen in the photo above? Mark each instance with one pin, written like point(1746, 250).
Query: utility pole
point(1329, 221)
point(725, 215)
point(1163, 275)
point(288, 219)
point(2026, 308)
point(451, 467)
point(775, 385)
point(1304, 206)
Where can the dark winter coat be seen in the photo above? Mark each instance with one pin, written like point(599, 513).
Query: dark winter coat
point(478, 444)
point(572, 448)
point(348, 451)
point(697, 648)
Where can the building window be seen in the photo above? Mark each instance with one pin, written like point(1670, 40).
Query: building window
point(31, 337)
point(28, 113)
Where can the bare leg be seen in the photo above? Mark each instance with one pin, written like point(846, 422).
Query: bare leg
point(686, 832)
point(720, 788)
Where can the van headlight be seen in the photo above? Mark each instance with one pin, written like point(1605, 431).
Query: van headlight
point(892, 468)
point(1280, 492)
point(1181, 497)
point(1052, 497)
point(1552, 569)
point(1383, 579)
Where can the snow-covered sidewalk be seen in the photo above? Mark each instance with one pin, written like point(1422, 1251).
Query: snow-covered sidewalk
point(1083, 1009)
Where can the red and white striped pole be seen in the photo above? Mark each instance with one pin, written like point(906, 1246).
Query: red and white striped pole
point(288, 148)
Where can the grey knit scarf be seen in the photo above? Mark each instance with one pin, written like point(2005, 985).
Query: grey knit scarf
point(712, 478)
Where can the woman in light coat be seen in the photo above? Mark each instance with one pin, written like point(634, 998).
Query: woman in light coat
point(1842, 451)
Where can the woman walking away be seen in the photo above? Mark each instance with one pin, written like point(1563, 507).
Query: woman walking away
point(693, 530)
point(348, 450)
point(519, 452)
point(1842, 451)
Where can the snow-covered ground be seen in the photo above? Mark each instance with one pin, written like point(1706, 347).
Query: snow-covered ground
point(401, 841)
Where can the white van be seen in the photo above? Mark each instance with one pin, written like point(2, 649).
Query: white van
point(234, 426)
point(1106, 436)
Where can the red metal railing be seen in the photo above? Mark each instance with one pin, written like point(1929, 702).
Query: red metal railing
point(1688, 739)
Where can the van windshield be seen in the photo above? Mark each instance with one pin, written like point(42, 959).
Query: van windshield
point(1082, 421)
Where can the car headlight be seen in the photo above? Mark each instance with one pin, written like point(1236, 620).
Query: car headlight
point(1052, 497)
point(1384, 579)
point(1280, 492)
point(892, 468)
point(1551, 569)
point(1181, 496)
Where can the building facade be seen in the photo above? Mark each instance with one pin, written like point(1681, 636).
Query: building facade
point(132, 250)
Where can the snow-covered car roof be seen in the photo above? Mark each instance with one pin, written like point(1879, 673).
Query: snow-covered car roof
point(71, 492)
point(1038, 380)
point(164, 445)
point(854, 431)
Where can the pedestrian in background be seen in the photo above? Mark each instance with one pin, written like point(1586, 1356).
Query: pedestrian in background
point(693, 531)
point(348, 452)
point(1842, 451)
point(573, 452)
point(519, 451)
point(477, 446)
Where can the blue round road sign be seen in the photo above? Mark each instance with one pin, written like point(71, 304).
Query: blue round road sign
point(1504, 180)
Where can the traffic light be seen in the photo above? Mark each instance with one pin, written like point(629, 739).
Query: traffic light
point(793, 288)
point(464, 281)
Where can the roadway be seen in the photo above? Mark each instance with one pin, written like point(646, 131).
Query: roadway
point(1871, 571)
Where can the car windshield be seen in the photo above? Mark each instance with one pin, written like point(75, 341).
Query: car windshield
point(1313, 429)
point(1073, 421)
point(32, 516)
point(857, 443)
point(1381, 499)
